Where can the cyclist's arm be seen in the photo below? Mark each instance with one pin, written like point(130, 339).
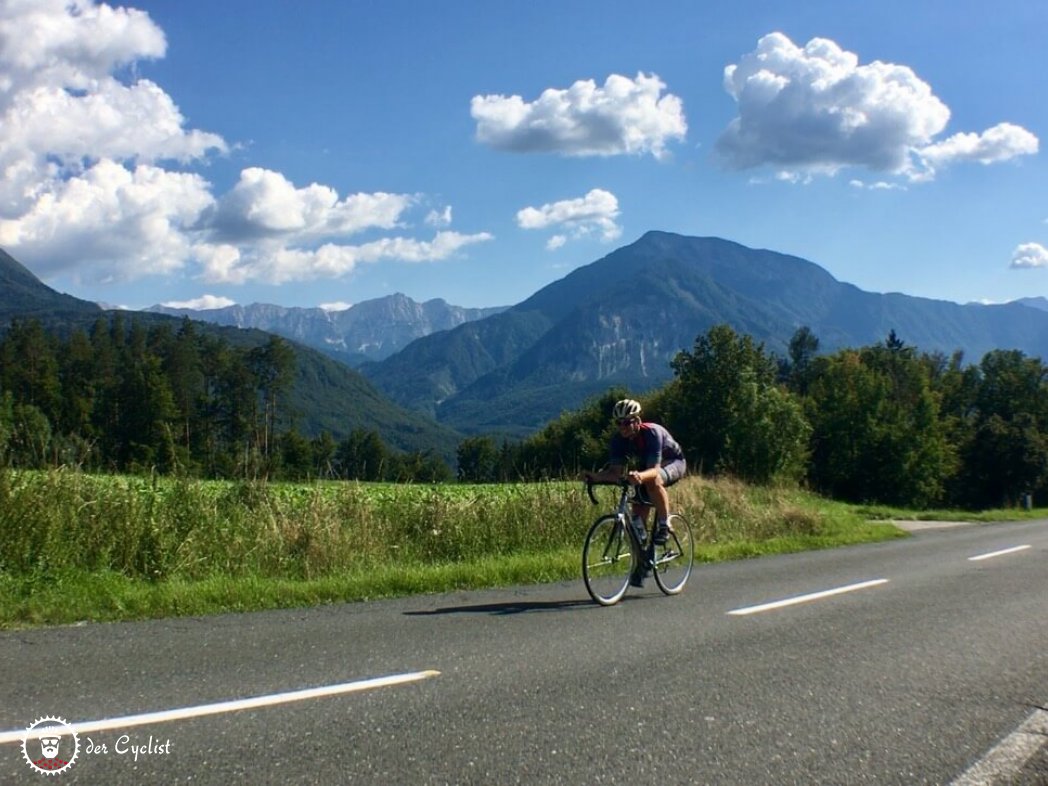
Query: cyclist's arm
point(644, 475)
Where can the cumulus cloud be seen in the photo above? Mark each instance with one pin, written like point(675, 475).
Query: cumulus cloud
point(93, 169)
point(202, 303)
point(1029, 255)
point(265, 204)
point(594, 213)
point(1000, 143)
point(816, 109)
point(110, 223)
point(277, 263)
point(625, 116)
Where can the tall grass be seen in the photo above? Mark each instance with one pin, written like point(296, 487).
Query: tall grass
point(158, 528)
point(76, 546)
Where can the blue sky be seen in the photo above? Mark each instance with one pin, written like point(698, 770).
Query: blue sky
point(315, 153)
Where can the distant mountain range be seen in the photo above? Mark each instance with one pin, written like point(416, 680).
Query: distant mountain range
point(368, 331)
point(1033, 302)
point(621, 319)
point(617, 321)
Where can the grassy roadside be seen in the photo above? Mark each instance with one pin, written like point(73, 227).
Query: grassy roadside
point(75, 547)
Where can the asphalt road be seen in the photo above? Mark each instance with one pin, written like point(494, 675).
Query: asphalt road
point(914, 674)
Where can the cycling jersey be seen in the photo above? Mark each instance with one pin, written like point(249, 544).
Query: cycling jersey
point(653, 445)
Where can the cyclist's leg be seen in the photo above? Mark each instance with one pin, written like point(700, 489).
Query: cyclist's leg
point(668, 475)
point(655, 490)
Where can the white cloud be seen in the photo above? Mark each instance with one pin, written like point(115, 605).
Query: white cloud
point(90, 160)
point(625, 116)
point(62, 110)
point(1030, 255)
point(439, 218)
point(202, 303)
point(879, 185)
point(110, 223)
point(265, 204)
point(594, 213)
point(816, 110)
point(335, 307)
point(1000, 143)
point(276, 263)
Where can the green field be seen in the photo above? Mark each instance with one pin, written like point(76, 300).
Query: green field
point(92, 547)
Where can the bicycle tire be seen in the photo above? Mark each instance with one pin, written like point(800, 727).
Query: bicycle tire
point(674, 560)
point(608, 559)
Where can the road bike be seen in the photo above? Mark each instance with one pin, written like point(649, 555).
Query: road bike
point(613, 550)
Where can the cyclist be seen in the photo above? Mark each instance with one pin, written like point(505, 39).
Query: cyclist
point(662, 462)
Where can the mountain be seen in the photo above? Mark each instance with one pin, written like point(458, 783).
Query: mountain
point(1033, 302)
point(370, 330)
point(621, 319)
point(326, 395)
point(23, 295)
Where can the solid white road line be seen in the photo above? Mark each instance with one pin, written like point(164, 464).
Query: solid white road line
point(1007, 758)
point(235, 705)
point(1000, 553)
point(778, 604)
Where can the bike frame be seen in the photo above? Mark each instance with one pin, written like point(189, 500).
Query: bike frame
point(628, 497)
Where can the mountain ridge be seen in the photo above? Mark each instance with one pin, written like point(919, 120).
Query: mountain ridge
point(367, 331)
point(621, 319)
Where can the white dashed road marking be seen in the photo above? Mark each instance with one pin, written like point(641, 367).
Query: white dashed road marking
point(235, 705)
point(778, 604)
point(1000, 553)
point(1007, 758)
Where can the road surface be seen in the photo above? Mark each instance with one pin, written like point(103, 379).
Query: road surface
point(915, 661)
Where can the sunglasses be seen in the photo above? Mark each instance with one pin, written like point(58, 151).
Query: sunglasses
point(623, 422)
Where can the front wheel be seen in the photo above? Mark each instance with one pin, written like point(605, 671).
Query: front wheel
point(607, 560)
point(673, 561)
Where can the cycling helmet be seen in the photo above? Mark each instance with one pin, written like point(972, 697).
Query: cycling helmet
point(627, 408)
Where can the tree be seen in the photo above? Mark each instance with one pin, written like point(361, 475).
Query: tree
point(29, 367)
point(803, 348)
point(421, 466)
point(296, 455)
point(877, 435)
point(363, 456)
point(273, 365)
point(725, 409)
point(1005, 450)
point(184, 370)
point(478, 460)
point(574, 441)
point(145, 434)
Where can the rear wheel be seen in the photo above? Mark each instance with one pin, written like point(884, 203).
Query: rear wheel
point(607, 560)
point(674, 560)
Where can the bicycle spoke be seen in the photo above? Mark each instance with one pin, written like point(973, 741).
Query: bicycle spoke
point(674, 560)
point(607, 560)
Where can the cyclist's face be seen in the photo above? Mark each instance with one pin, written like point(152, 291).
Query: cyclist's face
point(628, 426)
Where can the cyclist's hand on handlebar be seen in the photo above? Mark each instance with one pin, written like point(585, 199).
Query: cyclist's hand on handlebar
point(634, 478)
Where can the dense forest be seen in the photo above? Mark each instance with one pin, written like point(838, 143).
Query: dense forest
point(125, 398)
point(884, 423)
